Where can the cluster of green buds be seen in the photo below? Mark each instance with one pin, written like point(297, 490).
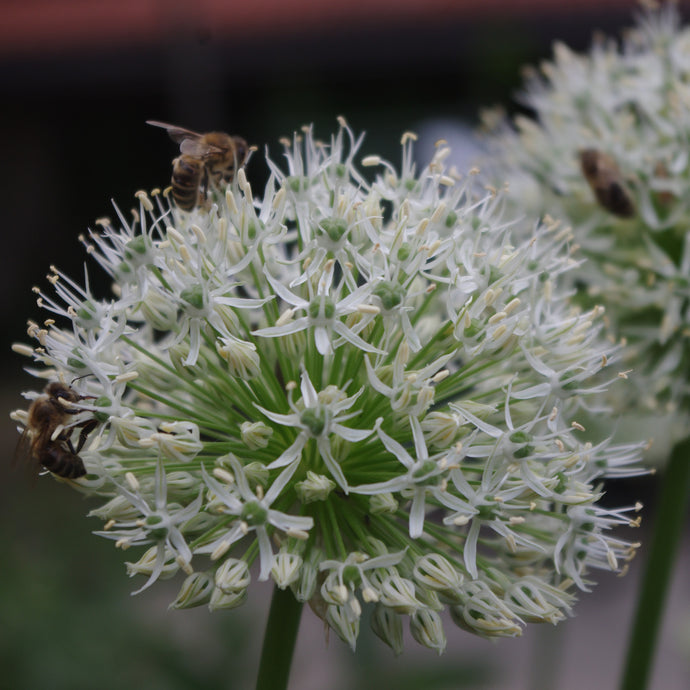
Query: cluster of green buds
point(359, 385)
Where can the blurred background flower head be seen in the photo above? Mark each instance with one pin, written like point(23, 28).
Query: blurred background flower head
point(605, 150)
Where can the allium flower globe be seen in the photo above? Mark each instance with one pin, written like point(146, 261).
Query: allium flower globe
point(628, 101)
point(358, 386)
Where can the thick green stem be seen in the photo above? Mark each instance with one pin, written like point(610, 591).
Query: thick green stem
point(279, 641)
point(663, 546)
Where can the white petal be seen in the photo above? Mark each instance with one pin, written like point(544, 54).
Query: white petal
point(392, 446)
point(290, 454)
point(342, 330)
point(331, 463)
point(194, 343)
point(419, 443)
point(390, 485)
point(291, 420)
point(286, 329)
point(265, 553)
point(470, 550)
point(537, 364)
point(350, 434)
point(375, 382)
point(284, 293)
point(286, 522)
point(417, 512)
point(487, 428)
point(280, 483)
point(309, 394)
point(322, 340)
point(541, 390)
point(156, 571)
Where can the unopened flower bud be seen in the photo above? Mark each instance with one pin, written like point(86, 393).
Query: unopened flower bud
point(399, 593)
point(426, 627)
point(255, 435)
point(383, 503)
point(286, 568)
point(346, 627)
point(147, 563)
point(195, 591)
point(484, 614)
point(440, 428)
point(243, 361)
point(316, 487)
point(306, 586)
point(224, 601)
point(435, 572)
point(387, 625)
point(232, 576)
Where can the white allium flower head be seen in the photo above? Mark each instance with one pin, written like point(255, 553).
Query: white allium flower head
point(607, 154)
point(357, 383)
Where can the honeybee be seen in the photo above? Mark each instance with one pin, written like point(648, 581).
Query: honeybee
point(46, 440)
point(205, 161)
point(607, 183)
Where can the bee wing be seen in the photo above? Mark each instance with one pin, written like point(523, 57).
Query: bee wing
point(23, 455)
point(191, 143)
point(22, 450)
point(177, 134)
point(198, 149)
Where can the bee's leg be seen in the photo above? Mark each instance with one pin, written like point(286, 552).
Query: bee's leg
point(203, 187)
point(86, 428)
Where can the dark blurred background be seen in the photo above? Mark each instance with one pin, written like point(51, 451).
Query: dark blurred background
point(79, 78)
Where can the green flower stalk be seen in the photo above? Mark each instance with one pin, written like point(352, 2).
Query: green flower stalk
point(358, 385)
point(607, 153)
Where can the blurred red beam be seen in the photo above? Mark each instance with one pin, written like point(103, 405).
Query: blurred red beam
point(48, 26)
